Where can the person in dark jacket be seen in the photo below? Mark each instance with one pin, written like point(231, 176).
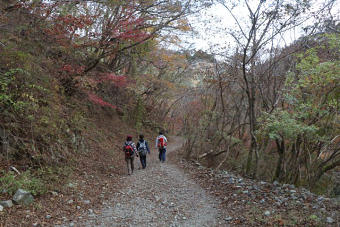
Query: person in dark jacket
point(143, 149)
point(130, 153)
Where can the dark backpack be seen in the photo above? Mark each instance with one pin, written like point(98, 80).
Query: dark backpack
point(142, 150)
point(128, 149)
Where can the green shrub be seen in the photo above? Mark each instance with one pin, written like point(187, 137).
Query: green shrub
point(11, 183)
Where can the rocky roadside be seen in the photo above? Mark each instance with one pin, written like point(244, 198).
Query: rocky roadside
point(252, 203)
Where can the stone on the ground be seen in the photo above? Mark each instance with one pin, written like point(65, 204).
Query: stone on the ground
point(1, 208)
point(6, 203)
point(329, 220)
point(70, 201)
point(23, 197)
point(321, 198)
point(71, 185)
point(48, 216)
point(276, 183)
point(228, 218)
point(267, 213)
point(291, 186)
point(86, 201)
point(54, 193)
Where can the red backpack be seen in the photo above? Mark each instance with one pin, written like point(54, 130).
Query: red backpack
point(128, 150)
point(161, 142)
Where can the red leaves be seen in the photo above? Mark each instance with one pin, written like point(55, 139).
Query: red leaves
point(130, 29)
point(99, 101)
point(66, 27)
point(119, 81)
point(74, 70)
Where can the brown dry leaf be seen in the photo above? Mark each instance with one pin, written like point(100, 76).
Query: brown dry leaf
point(280, 222)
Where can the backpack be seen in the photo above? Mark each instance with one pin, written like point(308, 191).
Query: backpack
point(142, 148)
point(161, 143)
point(128, 149)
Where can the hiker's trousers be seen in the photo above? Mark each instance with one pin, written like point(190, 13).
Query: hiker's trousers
point(129, 164)
point(162, 152)
point(143, 160)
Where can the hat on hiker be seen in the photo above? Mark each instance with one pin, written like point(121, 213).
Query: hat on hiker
point(129, 138)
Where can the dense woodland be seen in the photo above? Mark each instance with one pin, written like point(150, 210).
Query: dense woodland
point(265, 110)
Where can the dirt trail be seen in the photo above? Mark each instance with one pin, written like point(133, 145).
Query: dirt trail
point(160, 195)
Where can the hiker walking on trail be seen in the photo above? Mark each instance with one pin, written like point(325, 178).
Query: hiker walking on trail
point(130, 152)
point(161, 145)
point(143, 149)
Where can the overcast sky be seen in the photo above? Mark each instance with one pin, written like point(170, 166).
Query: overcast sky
point(212, 26)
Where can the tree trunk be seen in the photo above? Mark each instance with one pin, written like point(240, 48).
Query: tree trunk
point(279, 166)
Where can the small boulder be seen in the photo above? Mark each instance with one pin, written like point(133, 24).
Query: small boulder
point(321, 198)
point(291, 186)
point(23, 197)
point(228, 218)
point(54, 193)
point(6, 203)
point(329, 220)
point(267, 213)
point(71, 185)
point(276, 183)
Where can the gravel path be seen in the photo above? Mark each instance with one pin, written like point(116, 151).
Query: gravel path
point(160, 195)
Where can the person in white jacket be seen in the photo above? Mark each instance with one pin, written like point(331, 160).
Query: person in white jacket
point(161, 143)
